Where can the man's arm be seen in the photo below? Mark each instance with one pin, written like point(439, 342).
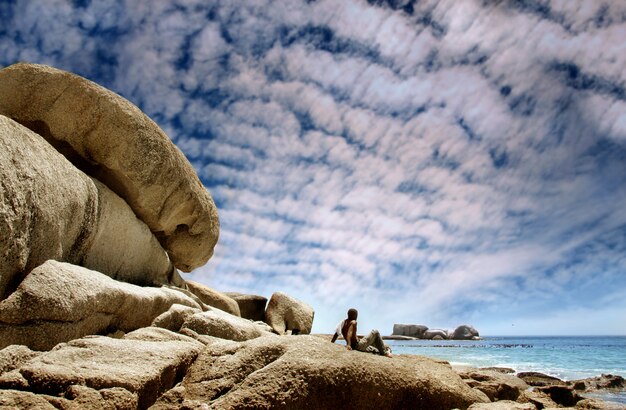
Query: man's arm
point(334, 339)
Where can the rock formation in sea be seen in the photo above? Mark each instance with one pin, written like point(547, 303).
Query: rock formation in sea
point(98, 213)
point(462, 332)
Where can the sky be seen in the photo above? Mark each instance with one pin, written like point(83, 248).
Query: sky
point(426, 162)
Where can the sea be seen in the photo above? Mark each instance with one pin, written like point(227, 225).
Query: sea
point(565, 357)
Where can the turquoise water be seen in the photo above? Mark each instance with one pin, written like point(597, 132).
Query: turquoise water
point(568, 358)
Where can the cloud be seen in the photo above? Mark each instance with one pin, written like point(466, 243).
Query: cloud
point(439, 162)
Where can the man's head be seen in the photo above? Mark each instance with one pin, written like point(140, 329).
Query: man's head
point(352, 314)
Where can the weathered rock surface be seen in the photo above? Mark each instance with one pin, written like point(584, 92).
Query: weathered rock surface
point(146, 368)
point(213, 298)
point(502, 405)
point(76, 397)
point(409, 330)
point(464, 332)
point(562, 395)
point(496, 385)
point(15, 399)
point(222, 325)
point(603, 382)
point(174, 318)
point(250, 306)
point(51, 210)
point(539, 379)
point(58, 302)
point(285, 313)
point(112, 140)
point(306, 372)
point(596, 404)
point(14, 356)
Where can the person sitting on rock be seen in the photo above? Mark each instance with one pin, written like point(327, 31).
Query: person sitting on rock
point(372, 343)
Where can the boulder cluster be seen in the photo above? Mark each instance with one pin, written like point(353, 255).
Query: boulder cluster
point(99, 213)
point(462, 332)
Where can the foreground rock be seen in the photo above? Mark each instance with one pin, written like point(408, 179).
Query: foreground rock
point(112, 140)
point(495, 384)
point(145, 368)
point(222, 325)
point(213, 298)
point(603, 382)
point(51, 210)
point(58, 302)
point(250, 306)
point(307, 372)
point(503, 405)
point(285, 313)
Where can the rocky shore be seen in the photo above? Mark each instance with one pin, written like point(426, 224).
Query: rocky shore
point(99, 213)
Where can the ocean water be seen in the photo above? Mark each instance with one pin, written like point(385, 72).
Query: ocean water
point(565, 357)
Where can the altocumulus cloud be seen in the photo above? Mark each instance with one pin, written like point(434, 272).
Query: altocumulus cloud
point(432, 162)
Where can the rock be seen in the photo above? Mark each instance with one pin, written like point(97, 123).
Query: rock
point(223, 325)
point(596, 404)
point(12, 357)
point(58, 302)
point(538, 399)
point(562, 395)
point(307, 372)
point(51, 210)
point(79, 397)
point(506, 370)
point(496, 385)
point(142, 367)
point(540, 379)
point(250, 306)
point(465, 332)
point(432, 333)
point(15, 399)
point(409, 330)
point(502, 405)
point(214, 298)
point(157, 334)
point(285, 313)
point(112, 140)
point(174, 318)
point(398, 337)
point(603, 382)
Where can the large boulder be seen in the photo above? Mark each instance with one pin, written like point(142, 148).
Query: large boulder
point(213, 298)
point(58, 302)
point(285, 313)
point(51, 210)
point(223, 325)
point(409, 330)
point(435, 334)
point(250, 306)
point(307, 372)
point(112, 140)
point(146, 368)
point(465, 332)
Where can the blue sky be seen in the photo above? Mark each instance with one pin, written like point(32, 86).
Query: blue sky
point(431, 162)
